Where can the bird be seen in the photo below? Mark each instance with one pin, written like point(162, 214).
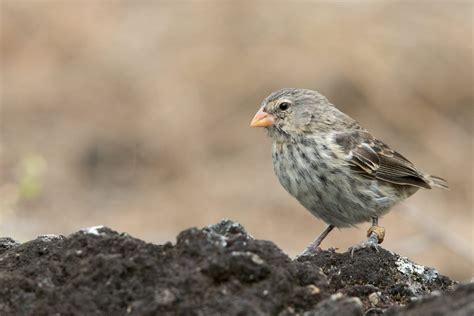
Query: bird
point(333, 166)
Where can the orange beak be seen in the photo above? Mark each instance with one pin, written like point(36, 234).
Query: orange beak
point(262, 119)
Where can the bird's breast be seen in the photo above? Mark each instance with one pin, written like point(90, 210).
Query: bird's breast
point(302, 167)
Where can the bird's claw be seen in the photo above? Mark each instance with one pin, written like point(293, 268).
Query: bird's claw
point(310, 251)
point(372, 242)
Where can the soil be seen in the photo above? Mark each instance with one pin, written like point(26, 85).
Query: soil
point(217, 270)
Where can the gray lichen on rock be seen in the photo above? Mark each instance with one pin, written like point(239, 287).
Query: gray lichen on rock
point(94, 230)
point(7, 243)
point(221, 232)
point(50, 237)
point(417, 276)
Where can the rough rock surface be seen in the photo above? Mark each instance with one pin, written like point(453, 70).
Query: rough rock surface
point(218, 270)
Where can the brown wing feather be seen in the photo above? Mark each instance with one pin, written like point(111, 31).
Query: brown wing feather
point(372, 158)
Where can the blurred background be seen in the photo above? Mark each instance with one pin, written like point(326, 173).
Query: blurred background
point(135, 115)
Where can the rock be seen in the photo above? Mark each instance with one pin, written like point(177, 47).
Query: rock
point(457, 303)
point(337, 305)
point(394, 279)
point(7, 243)
point(217, 270)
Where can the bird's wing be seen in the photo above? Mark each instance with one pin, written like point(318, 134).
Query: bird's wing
point(373, 159)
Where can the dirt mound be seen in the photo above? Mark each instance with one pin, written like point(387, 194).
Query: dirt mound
point(216, 270)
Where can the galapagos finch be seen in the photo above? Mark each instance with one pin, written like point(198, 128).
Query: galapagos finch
point(334, 167)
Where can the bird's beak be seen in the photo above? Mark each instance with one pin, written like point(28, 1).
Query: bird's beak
point(262, 119)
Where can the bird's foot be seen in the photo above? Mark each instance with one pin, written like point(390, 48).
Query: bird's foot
point(310, 250)
point(314, 251)
point(376, 235)
point(370, 243)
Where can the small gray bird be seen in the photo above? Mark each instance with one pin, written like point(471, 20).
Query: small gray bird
point(334, 167)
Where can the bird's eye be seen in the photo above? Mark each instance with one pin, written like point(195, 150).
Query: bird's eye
point(284, 106)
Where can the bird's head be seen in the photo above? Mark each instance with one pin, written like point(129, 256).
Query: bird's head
point(292, 112)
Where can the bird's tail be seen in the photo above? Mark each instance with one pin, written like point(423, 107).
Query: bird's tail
point(437, 182)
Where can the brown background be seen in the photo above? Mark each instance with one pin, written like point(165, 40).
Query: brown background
point(135, 115)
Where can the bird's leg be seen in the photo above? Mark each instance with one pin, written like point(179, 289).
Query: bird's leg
point(314, 247)
point(376, 235)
